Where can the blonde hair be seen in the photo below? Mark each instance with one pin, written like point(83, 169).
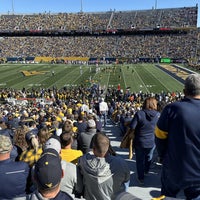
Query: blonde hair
point(34, 143)
point(43, 135)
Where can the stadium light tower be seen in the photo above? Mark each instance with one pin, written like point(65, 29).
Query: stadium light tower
point(81, 5)
point(12, 7)
point(155, 4)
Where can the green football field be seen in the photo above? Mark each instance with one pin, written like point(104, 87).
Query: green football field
point(138, 77)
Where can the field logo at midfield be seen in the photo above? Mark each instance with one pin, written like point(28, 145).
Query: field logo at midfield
point(33, 73)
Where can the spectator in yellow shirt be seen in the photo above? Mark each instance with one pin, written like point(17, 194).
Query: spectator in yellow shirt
point(59, 115)
point(67, 153)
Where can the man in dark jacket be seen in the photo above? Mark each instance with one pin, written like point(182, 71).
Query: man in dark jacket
point(178, 142)
point(84, 138)
point(13, 175)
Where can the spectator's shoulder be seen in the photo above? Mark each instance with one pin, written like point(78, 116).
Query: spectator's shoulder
point(67, 164)
point(20, 165)
point(119, 161)
point(63, 196)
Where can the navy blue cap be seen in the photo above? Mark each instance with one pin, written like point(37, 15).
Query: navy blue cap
point(48, 170)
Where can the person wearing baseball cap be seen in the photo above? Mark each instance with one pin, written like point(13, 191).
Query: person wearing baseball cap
point(13, 175)
point(69, 180)
point(48, 174)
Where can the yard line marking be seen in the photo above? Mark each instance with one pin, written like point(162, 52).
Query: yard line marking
point(79, 76)
point(124, 78)
point(156, 78)
point(107, 84)
point(141, 80)
point(72, 70)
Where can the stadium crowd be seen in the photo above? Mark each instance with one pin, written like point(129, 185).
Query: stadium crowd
point(68, 121)
point(112, 46)
point(58, 150)
point(176, 17)
point(148, 46)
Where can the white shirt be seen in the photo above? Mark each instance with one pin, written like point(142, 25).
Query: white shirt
point(103, 106)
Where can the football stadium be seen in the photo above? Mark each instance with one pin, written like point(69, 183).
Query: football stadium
point(104, 48)
point(71, 85)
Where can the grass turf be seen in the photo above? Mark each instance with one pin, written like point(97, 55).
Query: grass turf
point(139, 77)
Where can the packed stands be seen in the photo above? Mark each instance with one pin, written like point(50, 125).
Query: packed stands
point(177, 17)
point(148, 46)
point(172, 17)
point(151, 34)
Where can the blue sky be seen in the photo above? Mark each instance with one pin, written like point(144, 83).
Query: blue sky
point(54, 6)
